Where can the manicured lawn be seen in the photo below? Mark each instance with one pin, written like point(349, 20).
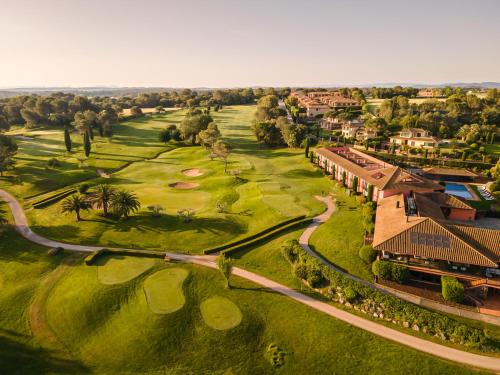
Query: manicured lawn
point(339, 239)
point(164, 290)
point(273, 184)
point(90, 318)
point(120, 269)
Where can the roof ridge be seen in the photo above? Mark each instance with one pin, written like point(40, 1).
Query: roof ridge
point(480, 252)
point(421, 220)
point(390, 177)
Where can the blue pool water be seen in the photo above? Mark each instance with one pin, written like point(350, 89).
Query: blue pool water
point(458, 190)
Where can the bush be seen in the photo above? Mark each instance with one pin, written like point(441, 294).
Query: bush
point(300, 270)
point(55, 251)
point(367, 254)
point(350, 294)
point(83, 188)
point(399, 274)
point(382, 269)
point(53, 163)
point(452, 289)
point(289, 251)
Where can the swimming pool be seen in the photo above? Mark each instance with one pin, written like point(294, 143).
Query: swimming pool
point(457, 189)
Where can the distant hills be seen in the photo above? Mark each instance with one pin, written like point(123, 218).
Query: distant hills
point(123, 91)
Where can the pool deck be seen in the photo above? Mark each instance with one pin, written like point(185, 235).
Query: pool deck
point(473, 194)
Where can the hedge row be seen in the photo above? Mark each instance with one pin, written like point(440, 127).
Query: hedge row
point(45, 201)
point(229, 245)
point(367, 300)
point(265, 237)
point(91, 258)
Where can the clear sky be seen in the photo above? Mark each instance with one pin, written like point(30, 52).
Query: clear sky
point(226, 43)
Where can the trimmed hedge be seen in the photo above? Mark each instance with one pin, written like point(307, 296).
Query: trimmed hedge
point(367, 254)
point(395, 310)
point(390, 271)
point(53, 198)
point(452, 289)
point(91, 258)
point(264, 237)
point(254, 236)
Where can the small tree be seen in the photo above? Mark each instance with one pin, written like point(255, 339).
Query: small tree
point(123, 203)
point(306, 152)
point(344, 175)
point(75, 203)
point(156, 210)
point(367, 254)
point(225, 266)
point(355, 184)
point(103, 196)
point(165, 136)
point(311, 157)
point(186, 214)
point(86, 144)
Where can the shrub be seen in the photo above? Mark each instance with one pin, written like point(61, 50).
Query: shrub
point(452, 289)
point(288, 250)
point(300, 270)
point(382, 269)
point(83, 188)
point(53, 163)
point(314, 275)
point(350, 294)
point(367, 254)
point(55, 251)
point(399, 274)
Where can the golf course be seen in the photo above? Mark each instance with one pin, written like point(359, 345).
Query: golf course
point(130, 315)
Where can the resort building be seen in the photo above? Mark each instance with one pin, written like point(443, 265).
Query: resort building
point(435, 234)
point(450, 174)
point(319, 102)
point(415, 137)
point(428, 93)
point(370, 176)
point(356, 129)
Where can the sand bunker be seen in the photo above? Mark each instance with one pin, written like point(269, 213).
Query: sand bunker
point(195, 172)
point(184, 185)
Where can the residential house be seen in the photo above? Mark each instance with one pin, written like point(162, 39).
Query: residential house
point(356, 129)
point(372, 177)
point(415, 137)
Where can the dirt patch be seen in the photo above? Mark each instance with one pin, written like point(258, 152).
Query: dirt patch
point(194, 172)
point(102, 173)
point(184, 185)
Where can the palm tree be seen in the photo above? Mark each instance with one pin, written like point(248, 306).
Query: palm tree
point(103, 196)
point(75, 203)
point(124, 202)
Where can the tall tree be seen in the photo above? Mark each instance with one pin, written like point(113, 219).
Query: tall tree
point(222, 149)
point(123, 203)
point(209, 136)
point(75, 203)
point(86, 144)
point(8, 148)
point(67, 139)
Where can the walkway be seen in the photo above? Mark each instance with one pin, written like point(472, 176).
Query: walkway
point(475, 360)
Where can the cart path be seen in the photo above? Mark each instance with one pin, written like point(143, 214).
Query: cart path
point(445, 352)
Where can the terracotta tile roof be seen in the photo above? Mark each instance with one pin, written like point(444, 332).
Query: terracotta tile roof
point(383, 175)
point(432, 139)
point(449, 172)
point(428, 235)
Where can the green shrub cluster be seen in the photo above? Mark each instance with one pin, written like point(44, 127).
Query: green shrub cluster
point(390, 271)
point(259, 236)
point(367, 254)
point(275, 355)
point(394, 309)
point(452, 289)
point(305, 268)
point(368, 212)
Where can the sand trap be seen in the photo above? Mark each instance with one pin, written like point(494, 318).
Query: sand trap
point(195, 172)
point(184, 185)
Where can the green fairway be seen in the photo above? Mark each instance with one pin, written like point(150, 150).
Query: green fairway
point(273, 184)
point(133, 140)
point(119, 269)
point(164, 290)
point(220, 313)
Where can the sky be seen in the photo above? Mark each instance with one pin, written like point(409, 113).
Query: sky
point(236, 43)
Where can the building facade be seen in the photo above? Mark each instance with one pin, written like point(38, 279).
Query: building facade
point(415, 137)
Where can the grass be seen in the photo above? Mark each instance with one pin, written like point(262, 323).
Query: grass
point(340, 238)
point(164, 290)
point(120, 269)
point(273, 184)
point(89, 318)
point(132, 141)
point(220, 313)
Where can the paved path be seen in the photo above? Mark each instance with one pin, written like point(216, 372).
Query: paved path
point(422, 345)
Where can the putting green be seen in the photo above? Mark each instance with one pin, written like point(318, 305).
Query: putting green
point(164, 290)
point(120, 269)
point(284, 204)
point(272, 187)
point(220, 313)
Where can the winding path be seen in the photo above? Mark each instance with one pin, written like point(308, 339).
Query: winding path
point(475, 360)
